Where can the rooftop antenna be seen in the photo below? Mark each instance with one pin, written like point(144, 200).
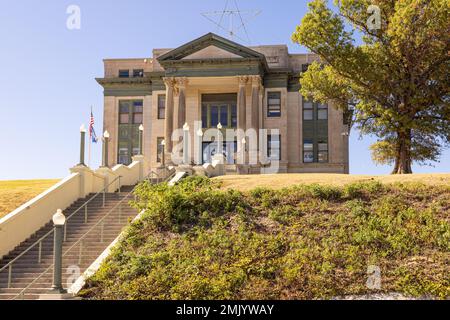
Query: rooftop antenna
point(232, 13)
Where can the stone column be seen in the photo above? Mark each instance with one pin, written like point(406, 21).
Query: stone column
point(256, 87)
point(181, 108)
point(254, 121)
point(168, 121)
point(242, 119)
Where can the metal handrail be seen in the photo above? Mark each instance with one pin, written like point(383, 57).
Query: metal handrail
point(39, 242)
point(79, 241)
point(21, 293)
point(84, 205)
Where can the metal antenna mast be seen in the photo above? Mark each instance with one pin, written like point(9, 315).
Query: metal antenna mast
point(232, 13)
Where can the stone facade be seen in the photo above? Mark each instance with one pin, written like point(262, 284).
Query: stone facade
point(167, 90)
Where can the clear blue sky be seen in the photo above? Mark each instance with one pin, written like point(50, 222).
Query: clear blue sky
point(47, 71)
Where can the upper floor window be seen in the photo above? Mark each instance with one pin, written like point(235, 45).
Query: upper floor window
point(161, 106)
point(274, 104)
point(305, 67)
point(138, 73)
point(213, 114)
point(131, 112)
point(124, 113)
point(314, 111)
point(130, 117)
point(124, 73)
point(308, 110)
point(322, 112)
point(138, 112)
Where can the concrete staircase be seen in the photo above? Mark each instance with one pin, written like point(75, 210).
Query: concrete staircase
point(78, 254)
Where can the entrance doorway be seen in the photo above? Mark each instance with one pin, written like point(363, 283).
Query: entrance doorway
point(228, 150)
point(219, 108)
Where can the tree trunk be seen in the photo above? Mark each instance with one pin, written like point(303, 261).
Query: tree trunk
point(403, 157)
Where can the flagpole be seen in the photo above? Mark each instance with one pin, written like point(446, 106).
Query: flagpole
point(90, 142)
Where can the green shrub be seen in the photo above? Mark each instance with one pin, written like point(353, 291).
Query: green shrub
point(325, 192)
point(196, 241)
point(362, 189)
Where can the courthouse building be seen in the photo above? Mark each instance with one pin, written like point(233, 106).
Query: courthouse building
point(217, 81)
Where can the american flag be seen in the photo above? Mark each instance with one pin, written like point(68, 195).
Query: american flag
point(92, 134)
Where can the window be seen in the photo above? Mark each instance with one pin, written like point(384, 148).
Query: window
point(234, 116)
point(123, 156)
point(322, 112)
point(138, 111)
point(224, 115)
point(135, 151)
point(160, 149)
point(308, 151)
point(161, 106)
point(214, 116)
point(274, 147)
point(308, 110)
point(219, 108)
point(124, 73)
point(274, 104)
point(124, 114)
point(130, 118)
point(204, 116)
point(315, 132)
point(305, 67)
point(323, 151)
point(138, 73)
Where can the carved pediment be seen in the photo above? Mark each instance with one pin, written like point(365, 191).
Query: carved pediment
point(211, 52)
point(210, 46)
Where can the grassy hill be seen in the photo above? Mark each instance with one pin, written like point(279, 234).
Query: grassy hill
point(277, 181)
point(199, 241)
point(14, 193)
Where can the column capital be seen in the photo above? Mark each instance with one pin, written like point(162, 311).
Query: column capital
point(169, 82)
point(256, 81)
point(182, 82)
point(242, 80)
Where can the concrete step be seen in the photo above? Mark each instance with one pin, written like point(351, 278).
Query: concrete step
point(27, 268)
point(6, 296)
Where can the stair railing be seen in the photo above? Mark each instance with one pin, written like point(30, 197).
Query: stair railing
point(85, 205)
point(79, 242)
point(38, 243)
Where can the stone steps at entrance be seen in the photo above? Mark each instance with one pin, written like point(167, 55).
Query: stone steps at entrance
point(29, 268)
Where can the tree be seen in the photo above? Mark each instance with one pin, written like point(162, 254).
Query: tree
point(396, 81)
